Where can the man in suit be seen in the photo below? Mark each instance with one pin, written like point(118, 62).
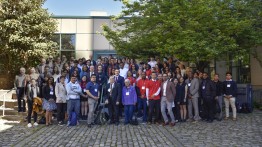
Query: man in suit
point(113, 92)
point(119, 79)
point(193, 95)
point(41, 67)
point(168, 92)
point(90, 73)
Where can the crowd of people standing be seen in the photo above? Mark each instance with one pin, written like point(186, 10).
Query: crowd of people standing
point(160, 91)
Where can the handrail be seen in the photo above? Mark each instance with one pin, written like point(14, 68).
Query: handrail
point(4, 94)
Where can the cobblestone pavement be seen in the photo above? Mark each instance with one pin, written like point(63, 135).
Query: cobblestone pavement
point(246, 131)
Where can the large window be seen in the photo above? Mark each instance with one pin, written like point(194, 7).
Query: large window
point(66, 44)
point(68, 41)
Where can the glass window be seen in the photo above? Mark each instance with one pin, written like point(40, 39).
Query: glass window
point(68, 41)
point(56, 38)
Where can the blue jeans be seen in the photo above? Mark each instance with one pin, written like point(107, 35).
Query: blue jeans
point(142, 104)
point(129, 109)
point(73, 105)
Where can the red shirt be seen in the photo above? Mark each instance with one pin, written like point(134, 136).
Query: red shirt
point(153, 87)
point(141, 84)
point(132, 80)
point(148, 73)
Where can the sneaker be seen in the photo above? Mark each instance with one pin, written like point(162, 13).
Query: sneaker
point(29, 125)
point(35, 124)
point(60, 123)
point(68, 124)
point(234, 119)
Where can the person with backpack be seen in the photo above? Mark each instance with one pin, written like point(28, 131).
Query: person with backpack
point(74, 91)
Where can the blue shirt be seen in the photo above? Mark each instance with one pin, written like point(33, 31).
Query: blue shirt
point(129, 96)
point(93, 88)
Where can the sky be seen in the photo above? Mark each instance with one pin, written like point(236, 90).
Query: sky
point(82, 7)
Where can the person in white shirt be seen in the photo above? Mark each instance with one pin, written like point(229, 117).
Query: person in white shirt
point(152, 62)
point(123, 71)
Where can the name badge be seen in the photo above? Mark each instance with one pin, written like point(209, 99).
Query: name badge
point(51, 93)
point(143, 87)
point(84, 90)
point(127, 93)
point(189, 84)
point(228, 85)
point(99, 79)
point(203, 87)
point(109, 90)
point(95, 90)
point(134, 75)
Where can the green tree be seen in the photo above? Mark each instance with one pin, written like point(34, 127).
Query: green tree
point(26, 31)
point(192, 30)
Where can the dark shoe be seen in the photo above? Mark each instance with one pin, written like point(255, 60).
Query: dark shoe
point(172, 124)
point(117, 123)
point(126, 123)
point(89, 126)
point(165, 124)
point(149, 123)
point(209, 121)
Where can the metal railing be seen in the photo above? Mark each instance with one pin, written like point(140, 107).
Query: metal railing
point(4, 97)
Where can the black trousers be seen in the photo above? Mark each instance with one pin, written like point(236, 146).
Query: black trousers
point(177, 111)
point(30, 109)
point(61, 109)
point(154, 105)
point(20, 98)
point(113, 111)
point(209, 104)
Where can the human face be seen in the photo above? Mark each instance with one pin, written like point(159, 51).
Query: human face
point(117, 72)
point(143, 75)
point(73, 79)
point(205, 76)
point(175, 81)
point(228, 76)
point(164, 77)
point(51, 81)
point(160, 77)
point(93, 78)
point(62, 80)
point(153, 76)
point(92, 68)
point(84, 78)
point(181, 80)
point(99, 68)
point(22, 70)
point(195, 75)
point(127, 83)
point(216, 78)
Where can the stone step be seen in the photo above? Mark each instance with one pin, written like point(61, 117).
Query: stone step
point(18, 118)
point(10, 111)
point(9, 104)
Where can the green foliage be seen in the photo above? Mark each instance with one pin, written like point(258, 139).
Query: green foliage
point(26, 31)
point(192, 30)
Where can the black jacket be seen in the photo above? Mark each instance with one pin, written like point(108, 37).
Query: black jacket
point(116, 93)
point(208, 89)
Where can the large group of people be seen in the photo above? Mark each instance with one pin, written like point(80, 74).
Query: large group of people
point(162, 92)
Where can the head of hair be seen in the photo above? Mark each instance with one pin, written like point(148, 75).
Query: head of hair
point(229, 73)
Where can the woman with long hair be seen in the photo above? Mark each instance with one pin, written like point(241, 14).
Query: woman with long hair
point(83, 99)
point(49, 100)
point(181, 97)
